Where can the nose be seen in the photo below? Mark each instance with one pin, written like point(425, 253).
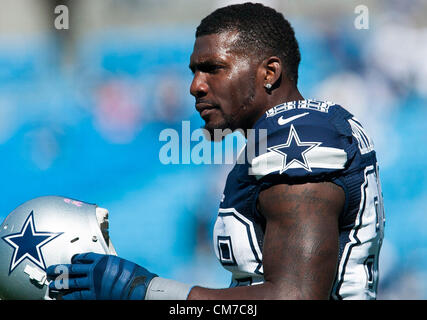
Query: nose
point(199, 88)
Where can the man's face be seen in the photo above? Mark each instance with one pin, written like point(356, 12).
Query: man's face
point(224, 82)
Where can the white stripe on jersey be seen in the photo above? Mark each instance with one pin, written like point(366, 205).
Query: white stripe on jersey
point(318, 157)
point(366, 145)
point(355, 279)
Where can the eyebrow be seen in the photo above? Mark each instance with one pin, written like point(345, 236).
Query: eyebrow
point(204, 64)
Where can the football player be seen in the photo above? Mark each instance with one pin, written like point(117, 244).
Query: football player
point(301, 219)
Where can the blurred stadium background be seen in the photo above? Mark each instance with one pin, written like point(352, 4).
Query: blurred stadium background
point(81, 111)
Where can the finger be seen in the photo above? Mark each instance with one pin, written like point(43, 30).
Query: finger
point(78, 283)
point(86, 258)
point(67, 270)
point(73, 284)
point(76, 270)
point(79, 295)
point(55, 270)
point(59, 271)
point(57, 294)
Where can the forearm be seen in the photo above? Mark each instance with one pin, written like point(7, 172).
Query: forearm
point(264, 291)
point(237, 293)
point(167, 289)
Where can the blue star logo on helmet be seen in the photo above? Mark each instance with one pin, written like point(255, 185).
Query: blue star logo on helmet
point(27, 244)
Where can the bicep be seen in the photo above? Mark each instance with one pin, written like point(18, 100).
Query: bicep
point(301, 239)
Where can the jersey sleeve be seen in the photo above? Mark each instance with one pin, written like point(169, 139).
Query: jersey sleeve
point(303, 146)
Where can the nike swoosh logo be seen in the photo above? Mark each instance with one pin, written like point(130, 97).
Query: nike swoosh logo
point(282, 121)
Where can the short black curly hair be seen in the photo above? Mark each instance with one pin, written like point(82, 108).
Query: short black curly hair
point(262, 31)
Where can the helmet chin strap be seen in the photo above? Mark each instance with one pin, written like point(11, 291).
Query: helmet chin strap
point(38, 278)
point(36, 275)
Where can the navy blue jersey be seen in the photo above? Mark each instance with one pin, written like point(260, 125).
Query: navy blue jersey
point(299, 142)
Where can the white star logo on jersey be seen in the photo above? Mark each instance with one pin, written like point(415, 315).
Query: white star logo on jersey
point(294, 151)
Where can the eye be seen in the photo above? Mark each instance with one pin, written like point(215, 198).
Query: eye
point(206, 67)
point(210, 68)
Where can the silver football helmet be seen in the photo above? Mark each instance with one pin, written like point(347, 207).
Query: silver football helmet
point(42, 232)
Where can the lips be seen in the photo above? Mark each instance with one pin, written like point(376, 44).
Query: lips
point(204, 108)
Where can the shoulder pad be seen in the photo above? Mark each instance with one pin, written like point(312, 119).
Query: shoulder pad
point(302, 141)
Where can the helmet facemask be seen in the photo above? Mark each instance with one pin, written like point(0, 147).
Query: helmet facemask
point(102, 217)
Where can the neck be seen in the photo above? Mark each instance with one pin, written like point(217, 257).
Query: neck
point(278, 96)
point(282, 95)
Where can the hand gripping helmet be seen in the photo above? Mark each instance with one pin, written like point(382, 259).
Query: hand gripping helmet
point(45, 231)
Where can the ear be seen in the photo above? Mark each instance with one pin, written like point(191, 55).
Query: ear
point(272, 71)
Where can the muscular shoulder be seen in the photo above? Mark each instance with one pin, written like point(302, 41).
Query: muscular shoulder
point(304, 139)
point(323, 198)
